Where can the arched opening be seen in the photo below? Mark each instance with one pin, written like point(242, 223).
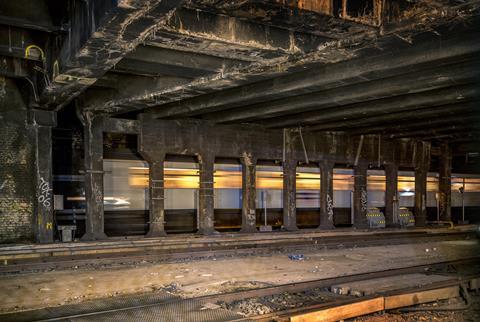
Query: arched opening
point(181, 194)
point(342, 197)
point(308, 196)
point(228, 195)
point(269, 202)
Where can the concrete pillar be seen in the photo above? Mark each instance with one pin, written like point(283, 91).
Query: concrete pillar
point(93, 137)
point(290, 195)
point(360, 196)
point(445, 182)
point(391, 195)
point(156, 225)
point(249, 218)
point(205, 195)
point(326, 194)
point(43, 122)
point(422, 164)
point(420, 196)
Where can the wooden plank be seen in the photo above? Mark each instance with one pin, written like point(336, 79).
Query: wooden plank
point(396, 301)
point(342, 312)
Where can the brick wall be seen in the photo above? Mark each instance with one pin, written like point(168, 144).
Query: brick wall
point(17, 178)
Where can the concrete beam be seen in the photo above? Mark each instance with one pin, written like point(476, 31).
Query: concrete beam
point(360, 196)
point(43, 122)
point(94, 188)
point(314, 107)
point(249, 218)
point(156, 224)
point(421, 159)
point(445, 182)
point(321, 77)
point(289, 182)
point(203, 24)
point(391, 195)
point(326, 194)
point(206, 209)
point(368, 124)
point(90, 51)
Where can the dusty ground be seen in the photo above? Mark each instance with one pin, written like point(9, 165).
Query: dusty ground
point(195, 278)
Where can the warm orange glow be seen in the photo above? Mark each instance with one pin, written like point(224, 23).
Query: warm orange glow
point(178, 178)
point(471, 184)
point(269, 180)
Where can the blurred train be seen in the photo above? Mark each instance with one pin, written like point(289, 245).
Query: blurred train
point(127, 197)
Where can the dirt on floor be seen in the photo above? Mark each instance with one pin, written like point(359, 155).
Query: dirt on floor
point(279, 302)
point(203, 277)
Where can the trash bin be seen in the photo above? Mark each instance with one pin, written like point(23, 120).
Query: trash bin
point(66, 232)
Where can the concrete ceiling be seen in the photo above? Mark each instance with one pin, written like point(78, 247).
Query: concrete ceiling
point(405, 69)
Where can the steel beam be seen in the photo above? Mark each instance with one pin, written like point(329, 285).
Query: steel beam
point(206, 207)
point(94, 192)
point(249, 217)
point(368, 122)
point(326, 194)
point(322, 77)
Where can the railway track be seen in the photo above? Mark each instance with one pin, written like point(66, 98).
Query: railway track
point(163, 307)
point(224, 249)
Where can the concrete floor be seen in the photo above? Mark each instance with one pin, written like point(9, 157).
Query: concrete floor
point(195, 278)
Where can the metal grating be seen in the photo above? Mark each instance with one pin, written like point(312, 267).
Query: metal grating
point(158, 306)
point(188, 310)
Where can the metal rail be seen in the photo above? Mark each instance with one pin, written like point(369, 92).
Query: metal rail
point(214, 250)
point(54, 314)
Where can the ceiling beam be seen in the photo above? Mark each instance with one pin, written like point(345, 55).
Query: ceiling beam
point(123, 27)
point(325, 76)
point(423, 80)
point(199, 23)
point(213, 47)
point(406, 103)
point(417, 114)
point(162, 61)
point(459, 120)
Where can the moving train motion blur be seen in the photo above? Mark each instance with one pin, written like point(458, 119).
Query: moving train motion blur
point(126, 198)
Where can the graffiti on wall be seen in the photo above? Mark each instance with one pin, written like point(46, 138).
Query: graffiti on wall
point(329, 207)
point(363, 200)
point(44, 193)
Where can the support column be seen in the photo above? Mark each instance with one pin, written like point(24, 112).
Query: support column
point(360, 196)
point(205, 195)
point(422, 164)
point(249, 192)
point(445, 182)
point(43, 122)
point(290, 195)
point(326, 194)
point(157, 198)
point(93, 137)
point(391, 195)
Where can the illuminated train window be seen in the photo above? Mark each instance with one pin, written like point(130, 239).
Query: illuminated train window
point(181, 184)
point(269, 186)
point(308, 187)
point(468, 184)
point(406, 189)
point(376, 185)
point(125, 185)
point(228, 197)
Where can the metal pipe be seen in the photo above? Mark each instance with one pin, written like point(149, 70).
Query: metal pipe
point(359, 150)
point(303, 145)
